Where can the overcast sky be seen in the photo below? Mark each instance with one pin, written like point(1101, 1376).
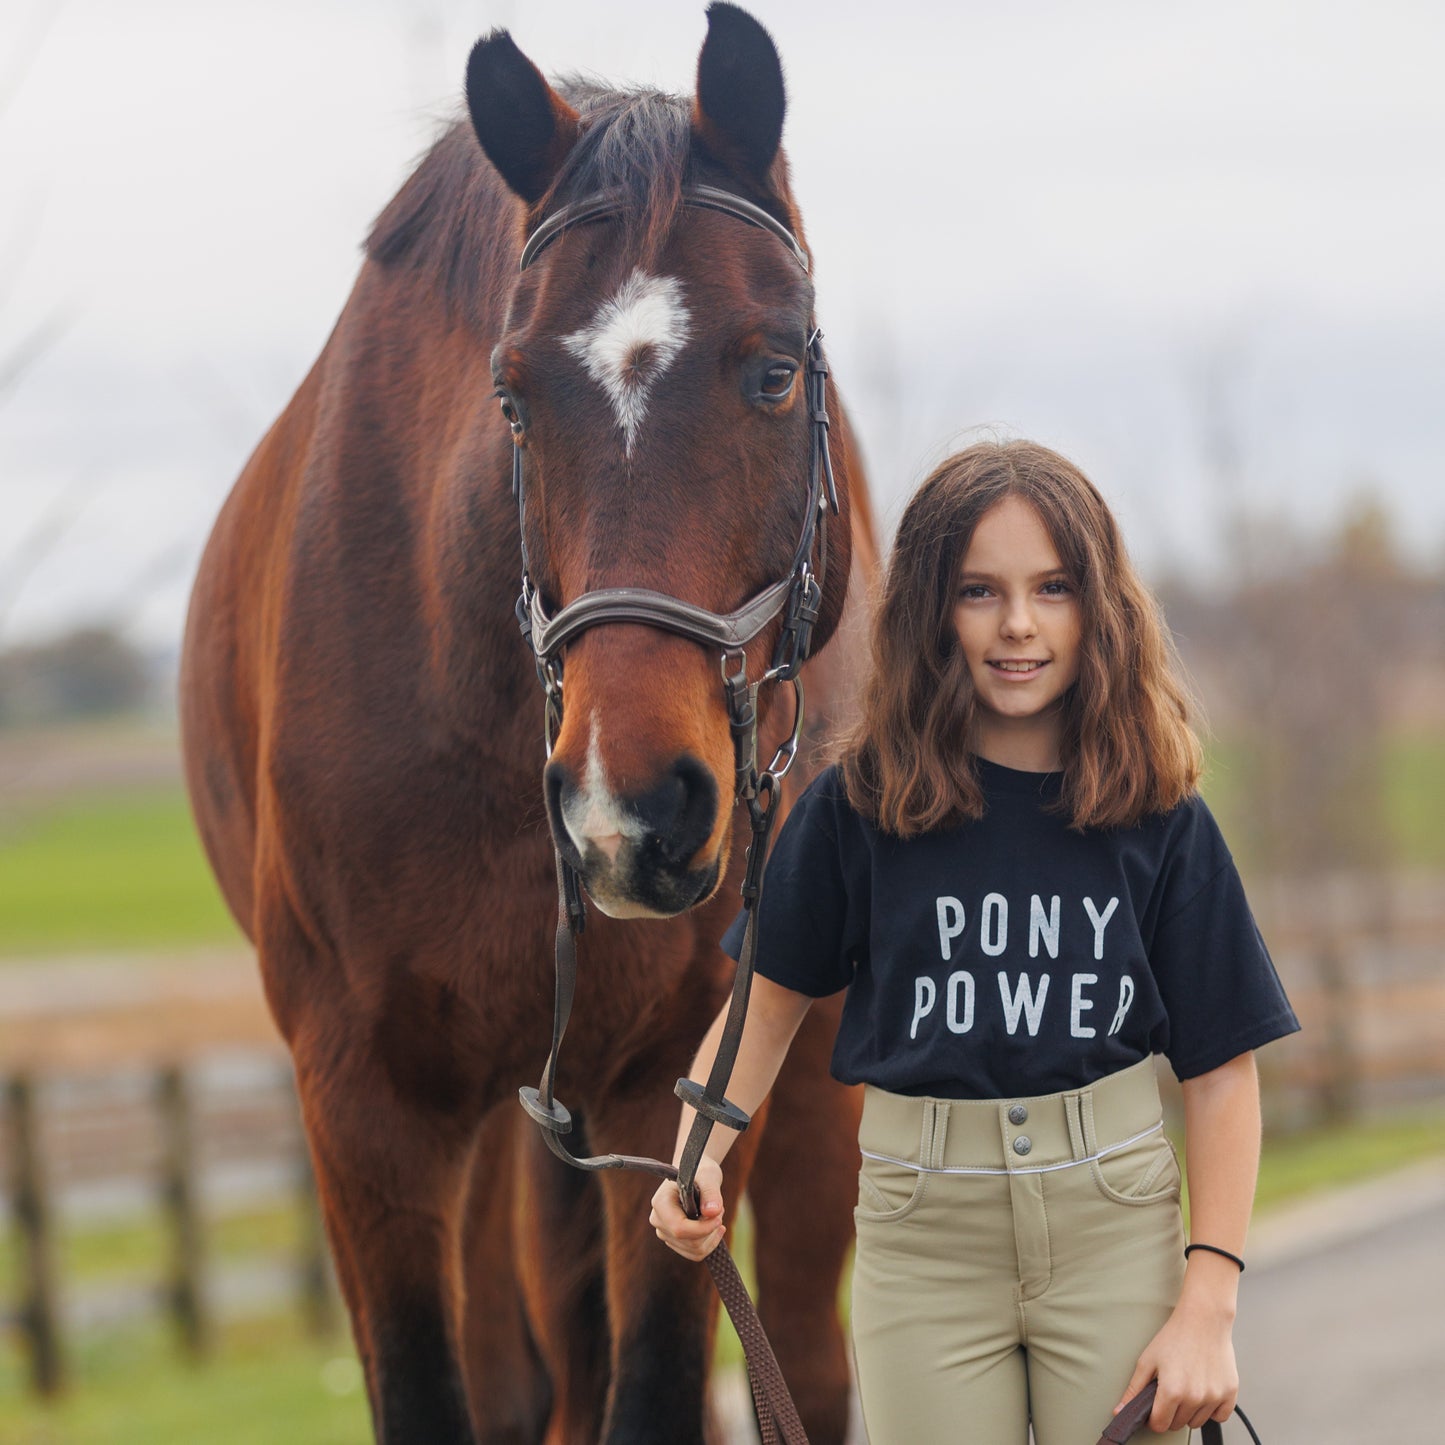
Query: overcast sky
point(1075, 222)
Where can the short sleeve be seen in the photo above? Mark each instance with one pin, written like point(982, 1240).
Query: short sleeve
point(1217, 981)
point(810, 919)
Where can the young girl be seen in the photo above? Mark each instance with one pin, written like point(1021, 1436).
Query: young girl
point(1011, 872)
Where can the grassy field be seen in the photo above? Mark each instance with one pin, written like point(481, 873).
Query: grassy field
point(110, 870)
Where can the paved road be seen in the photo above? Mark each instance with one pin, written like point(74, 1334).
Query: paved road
point(1347, 1345)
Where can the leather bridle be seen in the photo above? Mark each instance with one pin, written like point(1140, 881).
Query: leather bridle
point(798, 598)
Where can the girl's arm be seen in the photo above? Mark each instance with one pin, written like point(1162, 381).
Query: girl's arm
point(1193, 1355)
point(774, 1014)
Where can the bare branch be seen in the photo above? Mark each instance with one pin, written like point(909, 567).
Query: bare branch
point(43, 539)
point(24, 355)
point(22, 57)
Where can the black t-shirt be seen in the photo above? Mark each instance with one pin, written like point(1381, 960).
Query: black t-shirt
point(1014, 955)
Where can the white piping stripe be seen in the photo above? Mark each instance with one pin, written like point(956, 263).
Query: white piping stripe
point(1030, 1169)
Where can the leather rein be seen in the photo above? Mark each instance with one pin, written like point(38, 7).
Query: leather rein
point(798, 597)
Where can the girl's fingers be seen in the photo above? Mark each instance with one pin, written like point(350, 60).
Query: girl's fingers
point(694, 1250)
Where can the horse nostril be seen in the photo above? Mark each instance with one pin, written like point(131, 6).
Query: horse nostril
point(679, 812)
point(556, 780)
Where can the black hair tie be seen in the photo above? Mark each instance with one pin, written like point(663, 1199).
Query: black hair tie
point(1215, 1249)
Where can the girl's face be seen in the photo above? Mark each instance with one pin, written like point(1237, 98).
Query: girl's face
point(1018, 619)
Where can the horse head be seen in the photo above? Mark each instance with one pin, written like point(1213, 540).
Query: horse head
point(652, 368)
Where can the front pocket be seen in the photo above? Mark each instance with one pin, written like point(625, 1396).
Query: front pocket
point(1145, 1171)
point(888, 1190)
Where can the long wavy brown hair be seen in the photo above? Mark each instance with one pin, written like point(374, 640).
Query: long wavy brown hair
point(1128, 747)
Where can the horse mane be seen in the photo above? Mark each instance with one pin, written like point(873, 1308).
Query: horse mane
point(636, 142)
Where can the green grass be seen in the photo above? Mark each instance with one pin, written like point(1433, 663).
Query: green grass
point(268, 1385)
point(108, 871)
point(1414, 775)
point(1305, 1162)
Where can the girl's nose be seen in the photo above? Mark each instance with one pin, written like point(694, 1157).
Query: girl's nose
point(1018, 620)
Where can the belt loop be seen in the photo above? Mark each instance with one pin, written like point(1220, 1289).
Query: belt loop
point(1073, 1115)
point(934, 1134)
point(1086, 1120)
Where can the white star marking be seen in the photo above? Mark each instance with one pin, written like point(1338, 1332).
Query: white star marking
point(631, 341)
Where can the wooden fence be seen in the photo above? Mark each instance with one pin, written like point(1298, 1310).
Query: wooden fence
point(186, 1144)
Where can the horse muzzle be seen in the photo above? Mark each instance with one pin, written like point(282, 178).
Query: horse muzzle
point(644, 855)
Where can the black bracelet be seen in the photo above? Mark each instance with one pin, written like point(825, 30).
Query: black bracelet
point(1215, 1249)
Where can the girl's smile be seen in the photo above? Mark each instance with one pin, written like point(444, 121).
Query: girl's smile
point(1017, 617)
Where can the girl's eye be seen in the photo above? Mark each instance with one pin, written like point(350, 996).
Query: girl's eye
point(976, 590)
point(1057, 589)
point(778, 381)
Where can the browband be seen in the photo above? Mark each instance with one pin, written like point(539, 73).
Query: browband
point(612, 203)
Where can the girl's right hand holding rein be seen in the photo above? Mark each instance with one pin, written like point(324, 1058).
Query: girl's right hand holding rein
point(691, 1238)
point(773, 1016)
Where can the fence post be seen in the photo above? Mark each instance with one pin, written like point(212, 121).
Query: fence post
point(185, 1288)
point(39, 1314)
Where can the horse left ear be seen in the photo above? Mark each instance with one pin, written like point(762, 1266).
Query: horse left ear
point(738, 113)
point(524, 126)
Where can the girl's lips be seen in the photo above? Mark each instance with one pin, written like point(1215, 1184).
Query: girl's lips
point(1018, 675)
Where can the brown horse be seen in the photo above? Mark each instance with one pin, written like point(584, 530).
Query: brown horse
point(363, 742)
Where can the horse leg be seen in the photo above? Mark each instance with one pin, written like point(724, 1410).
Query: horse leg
point(662, 1309)
point(507, 1383)
point(558, 1231)
point(392, 1178)
point(802, 1192)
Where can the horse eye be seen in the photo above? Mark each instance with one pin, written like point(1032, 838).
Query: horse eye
point(510, 412)
point(778, 380)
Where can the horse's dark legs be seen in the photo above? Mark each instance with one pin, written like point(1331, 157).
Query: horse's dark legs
point(558, 1231)
point(802, 1191)
point(392, 1180)
point(661, 1307)
point(507, 1383)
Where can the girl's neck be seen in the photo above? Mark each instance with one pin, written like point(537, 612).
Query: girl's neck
point(1030, 748)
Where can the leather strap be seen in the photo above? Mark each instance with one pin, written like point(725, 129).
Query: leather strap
point(729, 630)
point(612, 203)
point(1135, 1415)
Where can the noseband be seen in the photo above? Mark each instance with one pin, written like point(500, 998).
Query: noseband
point(798, 597)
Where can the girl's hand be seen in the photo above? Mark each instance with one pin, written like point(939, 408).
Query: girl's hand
point(691, 1238)
point(1193, 1357)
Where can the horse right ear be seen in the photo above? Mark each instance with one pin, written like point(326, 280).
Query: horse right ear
point(525, 127)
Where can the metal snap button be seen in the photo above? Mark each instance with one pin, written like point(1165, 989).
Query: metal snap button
point(1018, 1114)
point(1023, 1144)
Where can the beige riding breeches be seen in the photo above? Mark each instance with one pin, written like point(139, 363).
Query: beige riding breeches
point(1015, 1256)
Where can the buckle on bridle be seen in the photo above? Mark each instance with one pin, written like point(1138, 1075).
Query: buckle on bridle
point(795, 640)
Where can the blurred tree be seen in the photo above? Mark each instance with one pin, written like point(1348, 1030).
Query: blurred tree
point(1312, 634)
point(92, 672)
point(1320, 637)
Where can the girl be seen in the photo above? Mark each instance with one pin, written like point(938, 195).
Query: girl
point(1011, 872)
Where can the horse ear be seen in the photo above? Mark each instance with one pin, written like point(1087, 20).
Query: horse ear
point(524, 126)
point(738, 113)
